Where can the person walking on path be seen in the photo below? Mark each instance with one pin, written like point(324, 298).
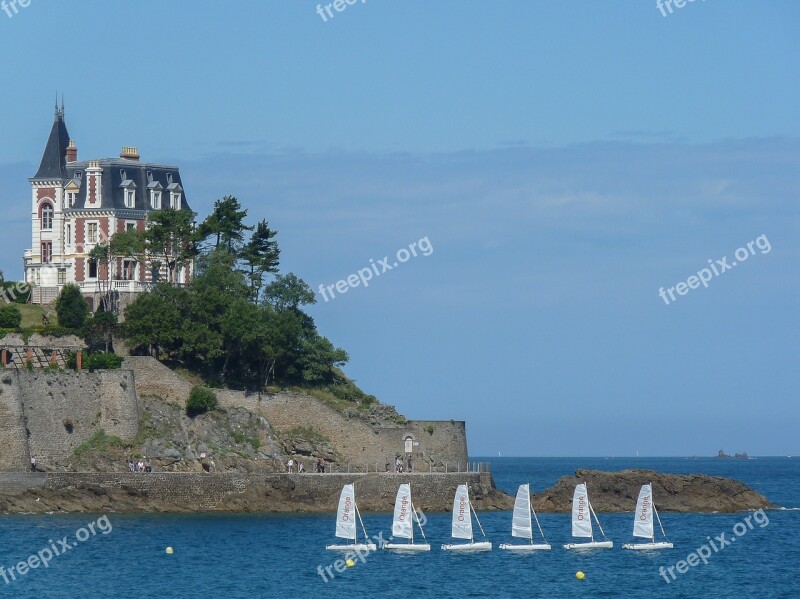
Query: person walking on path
point(33, 464)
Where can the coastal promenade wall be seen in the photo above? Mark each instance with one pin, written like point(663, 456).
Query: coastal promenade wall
point(192, 492)
point(433, 444)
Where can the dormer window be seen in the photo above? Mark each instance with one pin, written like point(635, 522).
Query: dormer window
point(155, 194)
point(129, 190)
point(175, 194)
point(72, 197)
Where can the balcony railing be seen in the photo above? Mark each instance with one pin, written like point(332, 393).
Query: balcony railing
point(121, 286)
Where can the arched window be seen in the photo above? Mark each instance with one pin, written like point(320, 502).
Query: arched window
point(409, 444)
point(47, 216)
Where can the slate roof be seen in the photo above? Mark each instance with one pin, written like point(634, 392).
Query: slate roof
point(54, 159)
point(117, 174)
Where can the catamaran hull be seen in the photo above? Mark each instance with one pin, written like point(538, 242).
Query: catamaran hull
point(411, 547)
point(483, 546)
point(526, 548)
point(351, 547)
point(592, 545)
point(647, 546)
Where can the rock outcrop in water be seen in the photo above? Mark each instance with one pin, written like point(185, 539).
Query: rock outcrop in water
point(683, 493)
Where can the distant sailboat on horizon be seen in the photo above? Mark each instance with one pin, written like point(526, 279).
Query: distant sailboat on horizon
point(643, 522)
point(582, 513)
point(522, 525)
point(346, 527)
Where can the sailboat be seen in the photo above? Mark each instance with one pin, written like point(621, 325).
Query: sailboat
point(521, 524)
point(643, 522)
point(346, 527)
point(462, 524)
point(582, 513)
point(403, 523)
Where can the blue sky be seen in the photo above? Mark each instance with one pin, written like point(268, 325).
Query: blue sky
point(565, 160)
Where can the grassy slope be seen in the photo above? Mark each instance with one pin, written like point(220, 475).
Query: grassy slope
point(32, 315)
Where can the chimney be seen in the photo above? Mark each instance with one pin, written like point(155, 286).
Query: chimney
point(72, 152)
point(129, 153)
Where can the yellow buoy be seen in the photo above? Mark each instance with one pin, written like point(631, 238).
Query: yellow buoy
point(580, 575)
point(169, 550)
point(350, 563)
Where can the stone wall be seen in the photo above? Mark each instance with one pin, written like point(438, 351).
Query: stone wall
point(436, 445)
point(266, 492)
point(14, 450)
point(50, 413)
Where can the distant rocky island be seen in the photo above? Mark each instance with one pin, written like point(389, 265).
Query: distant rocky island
point(738, 456)
point(614, 492)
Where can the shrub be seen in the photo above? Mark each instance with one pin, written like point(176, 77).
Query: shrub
point(102, 361)
point(201, 400)
point(10, 316)
point(96, 361)
point(71, 308)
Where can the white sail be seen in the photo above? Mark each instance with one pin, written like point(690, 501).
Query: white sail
point(521, 525)
point(346, 514)
point(403, 523)
point(581, 516)
point(643, 521)
point(462, 519)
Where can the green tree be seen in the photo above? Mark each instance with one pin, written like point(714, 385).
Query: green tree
point(288, 292)
point(215, 288)
point(170, 240)
point(154, 320)
point(129, 244)
point(10, 316)
point(71, 307)
point(318, 360)
point(100, 330)
point(261, 256)
point(225, 224)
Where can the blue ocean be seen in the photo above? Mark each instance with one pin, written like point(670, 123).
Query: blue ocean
point(245, 556)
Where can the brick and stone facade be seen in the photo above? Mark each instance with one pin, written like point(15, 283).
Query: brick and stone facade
point(76, 205)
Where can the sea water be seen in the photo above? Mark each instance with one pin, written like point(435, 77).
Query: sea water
point(243, 555)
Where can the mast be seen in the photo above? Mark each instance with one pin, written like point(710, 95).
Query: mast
point(472, 509)
point(655, 512)
point(598, 522)
point(421, 530)
point(358, 513)
point(539, 526)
